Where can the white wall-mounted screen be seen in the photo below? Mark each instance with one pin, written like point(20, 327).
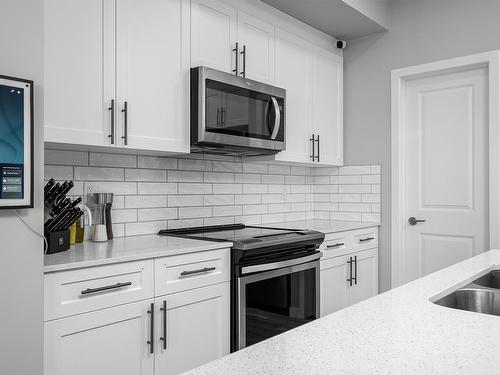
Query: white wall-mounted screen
point(16, 143)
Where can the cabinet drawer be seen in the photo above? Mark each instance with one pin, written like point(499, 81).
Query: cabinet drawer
point(182, 272)
point(73, 292)
point(335, 244)
point(364, 239)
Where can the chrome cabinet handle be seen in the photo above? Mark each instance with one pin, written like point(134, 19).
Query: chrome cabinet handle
point(107, 287)
point(125, 123)
point(218, 116)
point(313, 156)
point(163, 309)
point(111, 134)
point(335, 245)
point(151, 343)
point(201, 270)
point(366, 239)
point(355, 270)
point(244, 53)
point(236, 51)
point(414, 221)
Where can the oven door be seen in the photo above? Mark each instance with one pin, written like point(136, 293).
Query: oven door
point(235, 111)
point(274, 301)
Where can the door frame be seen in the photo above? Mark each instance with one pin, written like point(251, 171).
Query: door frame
point(398, 79)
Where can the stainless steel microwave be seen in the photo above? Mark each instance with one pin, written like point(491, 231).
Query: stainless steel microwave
point(234, 115)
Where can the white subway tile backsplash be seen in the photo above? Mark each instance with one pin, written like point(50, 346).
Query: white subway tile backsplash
point(99, 174)
point(60, 157)
point(145, 175)
point(154, 162)
point(194, 188)
point(185, 200)
point(156, 188)
point(153, 193)
point(112, 160)
point(145, 201)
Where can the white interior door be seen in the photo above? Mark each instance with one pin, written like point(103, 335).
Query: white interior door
point(153, 74)
point(445, 130)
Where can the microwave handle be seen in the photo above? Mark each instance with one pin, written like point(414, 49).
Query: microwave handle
point(277, 118)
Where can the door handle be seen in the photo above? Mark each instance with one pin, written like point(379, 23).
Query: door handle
point(111, 134)
point(277, 118)
point(103, 288)
point(244, 53)
point(350, 279)
point(201, 270)
point(312, 139)
point(236, 51)
point(317, 156)
point(355, 270)
point(413, 221)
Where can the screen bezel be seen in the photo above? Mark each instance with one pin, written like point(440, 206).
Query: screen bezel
point(28, 170)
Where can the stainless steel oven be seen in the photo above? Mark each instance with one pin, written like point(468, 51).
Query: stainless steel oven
point(274, 298)
point(235, 115)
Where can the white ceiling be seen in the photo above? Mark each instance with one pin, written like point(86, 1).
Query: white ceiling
point(342, 19)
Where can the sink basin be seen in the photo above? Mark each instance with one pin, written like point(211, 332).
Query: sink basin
point(473, 299)
point(490, 280)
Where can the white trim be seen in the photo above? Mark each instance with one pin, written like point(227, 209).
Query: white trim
point(398, 78)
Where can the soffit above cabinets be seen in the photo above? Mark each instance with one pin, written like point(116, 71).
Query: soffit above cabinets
point(342, 19)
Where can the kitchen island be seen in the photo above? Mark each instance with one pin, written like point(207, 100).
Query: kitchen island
point(398, 332)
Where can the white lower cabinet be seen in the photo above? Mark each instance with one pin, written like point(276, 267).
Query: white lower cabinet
point(193, 330)
point(352, 275)
point(109, 341)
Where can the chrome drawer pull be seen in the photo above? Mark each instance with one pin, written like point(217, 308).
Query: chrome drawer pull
point(366, 239)
point(335, 245)
point(102, 288)
point(201, 270)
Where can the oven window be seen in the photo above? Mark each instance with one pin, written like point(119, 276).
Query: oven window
point(278, 304)
point(240, 112)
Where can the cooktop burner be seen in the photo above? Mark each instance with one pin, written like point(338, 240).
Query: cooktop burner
point(245, 237)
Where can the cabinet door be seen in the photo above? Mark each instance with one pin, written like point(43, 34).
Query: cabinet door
point(110, 341)
point(153, 74)
point(294, 62)
point(196, 326)
point(257, 37)
point(367, 276)
point(213, 35)
point(333, 286)
point(327, 104)
point(79, 71)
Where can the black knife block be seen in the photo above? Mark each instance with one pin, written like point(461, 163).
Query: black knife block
point(57, 241)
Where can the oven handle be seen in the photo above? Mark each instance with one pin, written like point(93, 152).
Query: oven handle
point(277, 118)
point(276, 265)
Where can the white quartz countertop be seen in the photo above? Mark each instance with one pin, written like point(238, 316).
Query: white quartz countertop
point(325, 226)
point(125, 249)
point(397, 332)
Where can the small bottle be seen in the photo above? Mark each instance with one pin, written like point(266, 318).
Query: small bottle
point(80, 231)
point(72, 234)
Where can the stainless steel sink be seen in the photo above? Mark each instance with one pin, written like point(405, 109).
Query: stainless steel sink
point(482, 295)
point(490, 280)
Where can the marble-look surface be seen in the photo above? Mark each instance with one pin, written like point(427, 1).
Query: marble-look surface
point(397, 332)
point(325, 226)
point(125, 249)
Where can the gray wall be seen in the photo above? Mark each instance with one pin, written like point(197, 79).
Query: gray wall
point(21, 295)
point(422, 31)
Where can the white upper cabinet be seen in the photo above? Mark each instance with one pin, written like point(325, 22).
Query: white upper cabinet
point(152, 74)
point(294, 62)
point(213, 35)
point(256, 43)
point(145, 45)
point(327, 105)
point(79, 75)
